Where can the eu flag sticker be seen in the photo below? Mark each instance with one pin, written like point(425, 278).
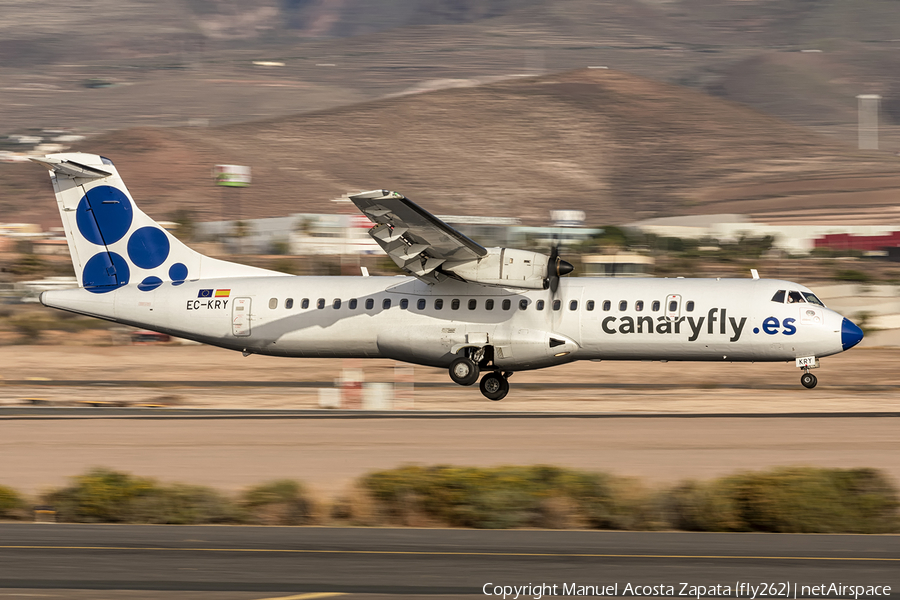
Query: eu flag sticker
point(205, 294)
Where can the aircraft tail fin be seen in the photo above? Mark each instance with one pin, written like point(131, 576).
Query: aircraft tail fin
point(112, 242)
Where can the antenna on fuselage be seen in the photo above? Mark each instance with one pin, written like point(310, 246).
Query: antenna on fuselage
point(754, 273)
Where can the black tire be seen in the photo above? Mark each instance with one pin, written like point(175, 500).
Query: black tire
point(463, 371)
point(808, 380)
point(494, 386)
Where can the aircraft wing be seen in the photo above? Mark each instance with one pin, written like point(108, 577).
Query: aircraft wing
point(416, 240)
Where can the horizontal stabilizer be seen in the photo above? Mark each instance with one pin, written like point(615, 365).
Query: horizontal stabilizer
point(70, 168)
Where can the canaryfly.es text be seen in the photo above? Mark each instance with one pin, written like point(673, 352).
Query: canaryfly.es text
point(785, 589)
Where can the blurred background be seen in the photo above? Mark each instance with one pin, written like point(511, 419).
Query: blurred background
point(650, 137)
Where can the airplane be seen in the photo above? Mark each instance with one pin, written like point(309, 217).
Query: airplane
point(461, 306)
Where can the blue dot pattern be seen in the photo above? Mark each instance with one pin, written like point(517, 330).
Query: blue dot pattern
point(150, 284)
point(104, 215)
point(148, 247)
point(101, 275)
point(178, 273)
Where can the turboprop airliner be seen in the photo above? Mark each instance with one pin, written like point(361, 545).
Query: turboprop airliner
point(469, 309)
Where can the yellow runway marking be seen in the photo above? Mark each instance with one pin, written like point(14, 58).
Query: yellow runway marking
point(438, 553)
point(306, 596)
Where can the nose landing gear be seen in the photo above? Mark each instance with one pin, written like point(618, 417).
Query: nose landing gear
point(808, 380)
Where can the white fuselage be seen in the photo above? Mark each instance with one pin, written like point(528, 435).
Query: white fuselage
point(596, 319)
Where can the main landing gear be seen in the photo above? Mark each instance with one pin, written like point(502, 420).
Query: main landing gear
point(464, 370)
point(495, 386)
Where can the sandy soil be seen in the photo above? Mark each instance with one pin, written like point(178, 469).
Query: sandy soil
point(328, 454)
point(861, 380)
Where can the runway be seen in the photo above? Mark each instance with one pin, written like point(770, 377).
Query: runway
point(164, 412)
point(278, 560)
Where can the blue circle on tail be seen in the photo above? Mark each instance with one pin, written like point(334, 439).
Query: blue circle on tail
point(178, 273)
point(149, 284)
point(104, 215)
point(148, 247)
point(101, 275)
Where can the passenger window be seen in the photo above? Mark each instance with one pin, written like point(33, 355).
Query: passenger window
point(353, 304)
point(489, 304)
point(655, 306)
point(573, 305)
point(438, 303)
point(795, 297)
point(273, 303)
point(623, 304)
point(370, 303)
point(454, 304)
point(689, 306)
point(421, 304)
point(778, 297)
point(673, 306)
point(539, 305)
point(320, 303)
point(607, 305)
point(523, 304)
point(404, 304)
point(639, 305)
point(336, 304)
point(386, 304)
point(556, 304)
point(304, 303)
point(473, 304)
point(590, 305)
point(289, 303)
point(506, 304)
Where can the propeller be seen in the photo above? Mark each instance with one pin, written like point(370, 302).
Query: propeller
point(556, 268)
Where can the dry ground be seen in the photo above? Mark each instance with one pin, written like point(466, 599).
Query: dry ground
point(861, 380)
point(330, 453)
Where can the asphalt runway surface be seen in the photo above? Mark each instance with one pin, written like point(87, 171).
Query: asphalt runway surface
point(529, 385)
point(310, 560)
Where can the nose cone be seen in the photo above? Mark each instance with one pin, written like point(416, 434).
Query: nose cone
point(851, 335)
point(563, 267)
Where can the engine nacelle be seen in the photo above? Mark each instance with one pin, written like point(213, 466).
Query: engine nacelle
point(504, 267)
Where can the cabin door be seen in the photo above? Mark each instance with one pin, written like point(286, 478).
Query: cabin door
point(240, 317)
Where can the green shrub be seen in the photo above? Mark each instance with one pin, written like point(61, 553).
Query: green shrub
point(796, 500)
point(105, 496)
point(504, 497)
point(852, 275)
point(10, 503)
point(282, 502)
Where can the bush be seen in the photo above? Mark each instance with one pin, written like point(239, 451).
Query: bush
point(11, 504)
point(282, 502)
point(789, 500)
point(852, 275)
point(104, 496)
point(504, 497)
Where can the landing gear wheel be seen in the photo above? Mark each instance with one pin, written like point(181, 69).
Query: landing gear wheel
point(494, 386)
point(464, 371)
point(808, 380)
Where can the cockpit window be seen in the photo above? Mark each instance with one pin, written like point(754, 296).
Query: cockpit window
point(812, 299)
point(795, 297)
point(778, 297)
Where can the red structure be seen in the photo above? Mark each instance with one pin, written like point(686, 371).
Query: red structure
point(847, 241)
